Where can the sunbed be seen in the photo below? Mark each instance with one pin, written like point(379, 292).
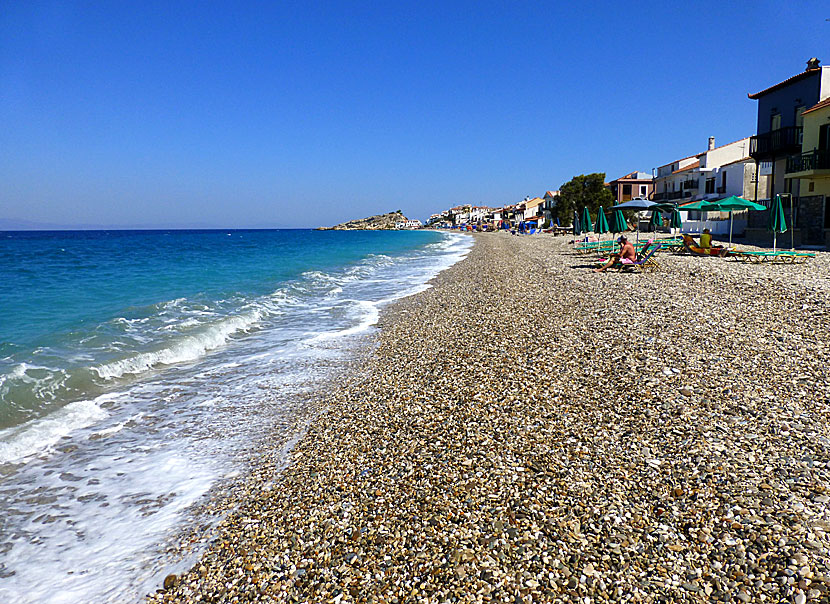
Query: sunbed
point(690, 246)
point(779, 256)
point(645, 259)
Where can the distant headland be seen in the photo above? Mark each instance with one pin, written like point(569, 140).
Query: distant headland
point(381, 222)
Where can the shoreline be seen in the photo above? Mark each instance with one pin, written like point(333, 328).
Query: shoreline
point(526, 430)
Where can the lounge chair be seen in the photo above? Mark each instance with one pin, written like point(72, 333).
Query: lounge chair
point(690, 246)
point(778, 257)
point(645, 260)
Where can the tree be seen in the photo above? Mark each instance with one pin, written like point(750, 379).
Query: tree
point(585, 190)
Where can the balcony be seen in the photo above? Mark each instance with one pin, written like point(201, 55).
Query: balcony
point(721, 189)
point(775, 143)
point(670, 195)
point(690, 184)
point(813, 163)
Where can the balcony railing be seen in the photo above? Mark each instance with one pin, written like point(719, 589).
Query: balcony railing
point(813, 160)
point(722, 189)
point(776, 142)
point(669, 195)
point(690, 184)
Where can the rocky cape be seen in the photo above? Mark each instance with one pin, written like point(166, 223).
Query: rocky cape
point(372, 223)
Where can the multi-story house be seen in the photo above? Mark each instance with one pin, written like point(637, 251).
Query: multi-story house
point(635, 184)
point(549, 204)
point(781, 109)
point(812, 168)
point(478, 214)
point(716, 173)
point(676, 181)
point(713, 174)
point(533, 209)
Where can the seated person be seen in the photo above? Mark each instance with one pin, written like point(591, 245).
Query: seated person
point(706, 244)
point(627, 252)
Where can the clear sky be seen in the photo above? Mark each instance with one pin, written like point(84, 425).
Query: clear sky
point(293, 114)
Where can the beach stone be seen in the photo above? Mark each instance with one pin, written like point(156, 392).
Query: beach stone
point(494, 444)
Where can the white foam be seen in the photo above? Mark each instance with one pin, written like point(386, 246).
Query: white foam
point(181, 351)
point(40, 434)
point(368, 313)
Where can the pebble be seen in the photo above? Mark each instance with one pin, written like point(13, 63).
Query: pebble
point(513, 437)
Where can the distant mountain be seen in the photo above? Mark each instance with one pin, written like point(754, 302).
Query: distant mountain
point(372, 223)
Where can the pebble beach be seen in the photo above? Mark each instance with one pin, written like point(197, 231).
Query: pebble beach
point(529, 431)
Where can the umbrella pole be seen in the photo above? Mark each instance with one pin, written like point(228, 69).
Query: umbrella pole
point(730, 228)
point(774, 241)
point(638, 228)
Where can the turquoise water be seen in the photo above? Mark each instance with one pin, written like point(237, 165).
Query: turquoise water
point(140, 366)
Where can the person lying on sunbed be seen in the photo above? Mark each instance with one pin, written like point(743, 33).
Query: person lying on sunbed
point(627, 253)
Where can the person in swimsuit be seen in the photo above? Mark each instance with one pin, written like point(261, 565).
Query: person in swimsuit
point(627, 252)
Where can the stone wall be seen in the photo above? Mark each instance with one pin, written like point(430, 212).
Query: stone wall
point(811, 219)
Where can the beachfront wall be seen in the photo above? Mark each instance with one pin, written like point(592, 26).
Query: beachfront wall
point(718, 227)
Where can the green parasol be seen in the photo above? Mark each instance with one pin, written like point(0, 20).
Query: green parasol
point(602, 223)
point(585, 221)
point(777, 222)
point(656, 221)
point(617, 223)
point(675, 222)
point(732, 203)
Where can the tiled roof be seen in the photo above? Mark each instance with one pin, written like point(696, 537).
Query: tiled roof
point(737, 161)
point(687, 168)
point(819, 105)
point(787, 82)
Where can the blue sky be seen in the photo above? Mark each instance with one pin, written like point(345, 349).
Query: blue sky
point(295, 114)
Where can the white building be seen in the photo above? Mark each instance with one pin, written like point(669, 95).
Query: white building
point(713, 174)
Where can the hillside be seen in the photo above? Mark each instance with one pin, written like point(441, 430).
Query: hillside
point(372, 223)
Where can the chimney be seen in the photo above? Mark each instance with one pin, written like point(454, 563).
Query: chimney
point(812, 64)
point(711, 143)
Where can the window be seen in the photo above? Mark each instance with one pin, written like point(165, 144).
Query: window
point(626, 189)
point(710, 185)
point(723, 181)
point(811, 187)
point(824, 137)
point(643, 190)
point(775, 121)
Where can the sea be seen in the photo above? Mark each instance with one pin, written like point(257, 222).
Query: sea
point(139, 369)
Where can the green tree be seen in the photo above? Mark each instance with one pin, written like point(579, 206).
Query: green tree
point(585, 190)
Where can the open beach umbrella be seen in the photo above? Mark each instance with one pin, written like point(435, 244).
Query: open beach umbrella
point(656, 221)
point(577, 230)
point(777, 222)
point(730, 204)
point(638, 204)
point(585, 221)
